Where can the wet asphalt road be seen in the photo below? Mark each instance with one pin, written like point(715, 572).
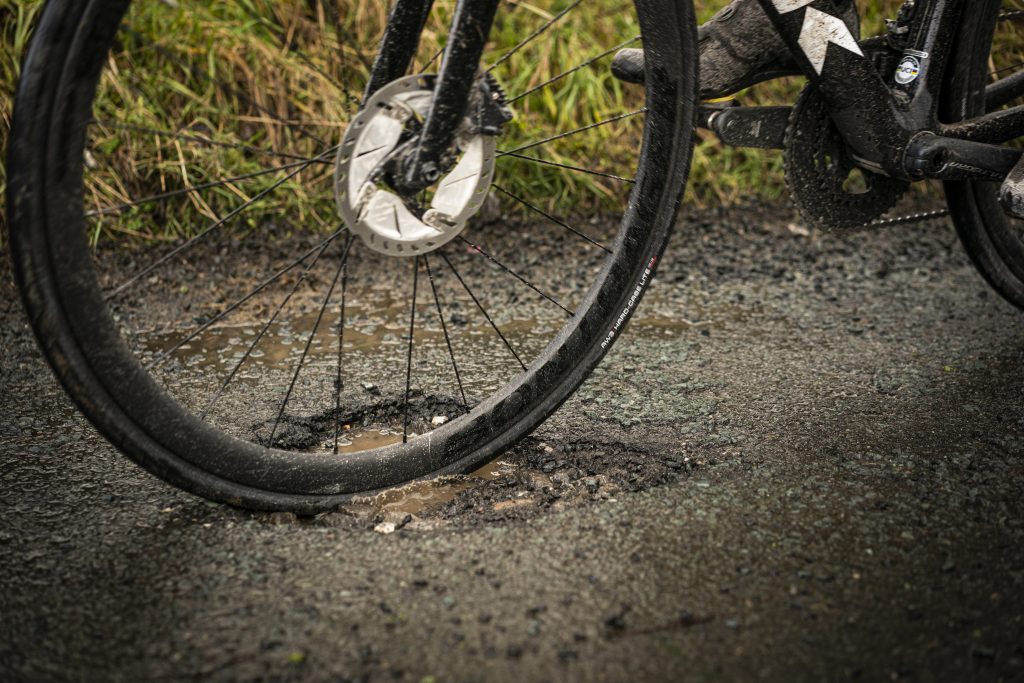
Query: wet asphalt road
point(804, 462)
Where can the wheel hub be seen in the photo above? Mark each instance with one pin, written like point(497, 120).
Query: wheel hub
point(385, 221)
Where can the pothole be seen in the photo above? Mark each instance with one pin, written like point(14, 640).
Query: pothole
point(366, 426)
point(532, 479)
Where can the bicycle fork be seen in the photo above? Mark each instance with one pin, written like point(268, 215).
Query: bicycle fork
point(416, 164)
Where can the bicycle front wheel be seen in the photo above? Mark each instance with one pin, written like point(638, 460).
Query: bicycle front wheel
point(177, 244)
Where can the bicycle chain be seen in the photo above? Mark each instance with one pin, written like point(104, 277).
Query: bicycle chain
point(909, 218)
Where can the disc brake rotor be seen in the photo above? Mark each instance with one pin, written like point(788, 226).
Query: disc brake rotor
point(385, 221)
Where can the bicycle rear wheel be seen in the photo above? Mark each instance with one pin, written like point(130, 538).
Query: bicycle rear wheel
point(237, 339)
point(986, 74)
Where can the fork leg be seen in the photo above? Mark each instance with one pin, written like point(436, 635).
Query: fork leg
point(400, 43)
point(471, 26)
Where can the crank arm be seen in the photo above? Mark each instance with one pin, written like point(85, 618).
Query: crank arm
point(933, 156)
point(926, 156)
point(736, 126)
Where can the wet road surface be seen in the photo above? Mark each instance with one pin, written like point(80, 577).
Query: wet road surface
point(803, 462)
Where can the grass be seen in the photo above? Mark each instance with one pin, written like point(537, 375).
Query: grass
point(16, 21)
point(287, 72)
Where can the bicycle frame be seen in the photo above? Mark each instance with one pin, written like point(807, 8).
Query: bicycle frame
point(893, 130)
point(890, 130)
point(873, 119)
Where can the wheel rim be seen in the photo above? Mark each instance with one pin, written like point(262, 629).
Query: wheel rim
point(307, 471)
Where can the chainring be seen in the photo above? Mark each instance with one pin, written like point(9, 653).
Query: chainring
point(826, 185)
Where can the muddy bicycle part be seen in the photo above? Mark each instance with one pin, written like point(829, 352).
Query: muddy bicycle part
point(420, 161)
point(993, 239)
point(936, 111)
point(890, 126)
point(422, 131)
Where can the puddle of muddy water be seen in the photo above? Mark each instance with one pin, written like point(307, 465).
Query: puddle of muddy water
point(381, 330)
point(374, 357)
point(420, 497)
point(356, 440)
point(371, 339)
point(374, 367)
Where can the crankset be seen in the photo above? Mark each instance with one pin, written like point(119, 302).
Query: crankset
point(827, 186)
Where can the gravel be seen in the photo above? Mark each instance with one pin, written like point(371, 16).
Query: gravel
point(802, 462)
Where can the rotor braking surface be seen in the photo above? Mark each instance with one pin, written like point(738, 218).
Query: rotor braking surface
point(386, 127)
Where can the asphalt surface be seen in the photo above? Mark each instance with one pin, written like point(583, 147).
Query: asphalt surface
point(803, 462)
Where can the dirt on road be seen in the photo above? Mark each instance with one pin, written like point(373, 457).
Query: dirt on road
point(804, 461)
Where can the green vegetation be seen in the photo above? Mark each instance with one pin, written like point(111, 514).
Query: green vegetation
point(282, 75)
point(16, 20)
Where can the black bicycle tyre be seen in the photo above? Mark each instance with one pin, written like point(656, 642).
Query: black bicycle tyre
point(81, 342)
point(981, 223)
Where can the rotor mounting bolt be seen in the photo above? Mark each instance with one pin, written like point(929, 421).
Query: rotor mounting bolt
point(430, 172)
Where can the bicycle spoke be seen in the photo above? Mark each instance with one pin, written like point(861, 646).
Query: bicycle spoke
point(408, 360)
point(530, 38)
point(341, 346)
point(482, 309)
point(517, 275)
point(574, 69)
point(216, 225)
point(178, 135)
point(605, 122)
point(121, 208)
point(241, 302)
point(267, 325)
point(1006, 69)
point(551, 218)
point(444, 328)
point(309, 343)
point(578, 169)
point(430, 62)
